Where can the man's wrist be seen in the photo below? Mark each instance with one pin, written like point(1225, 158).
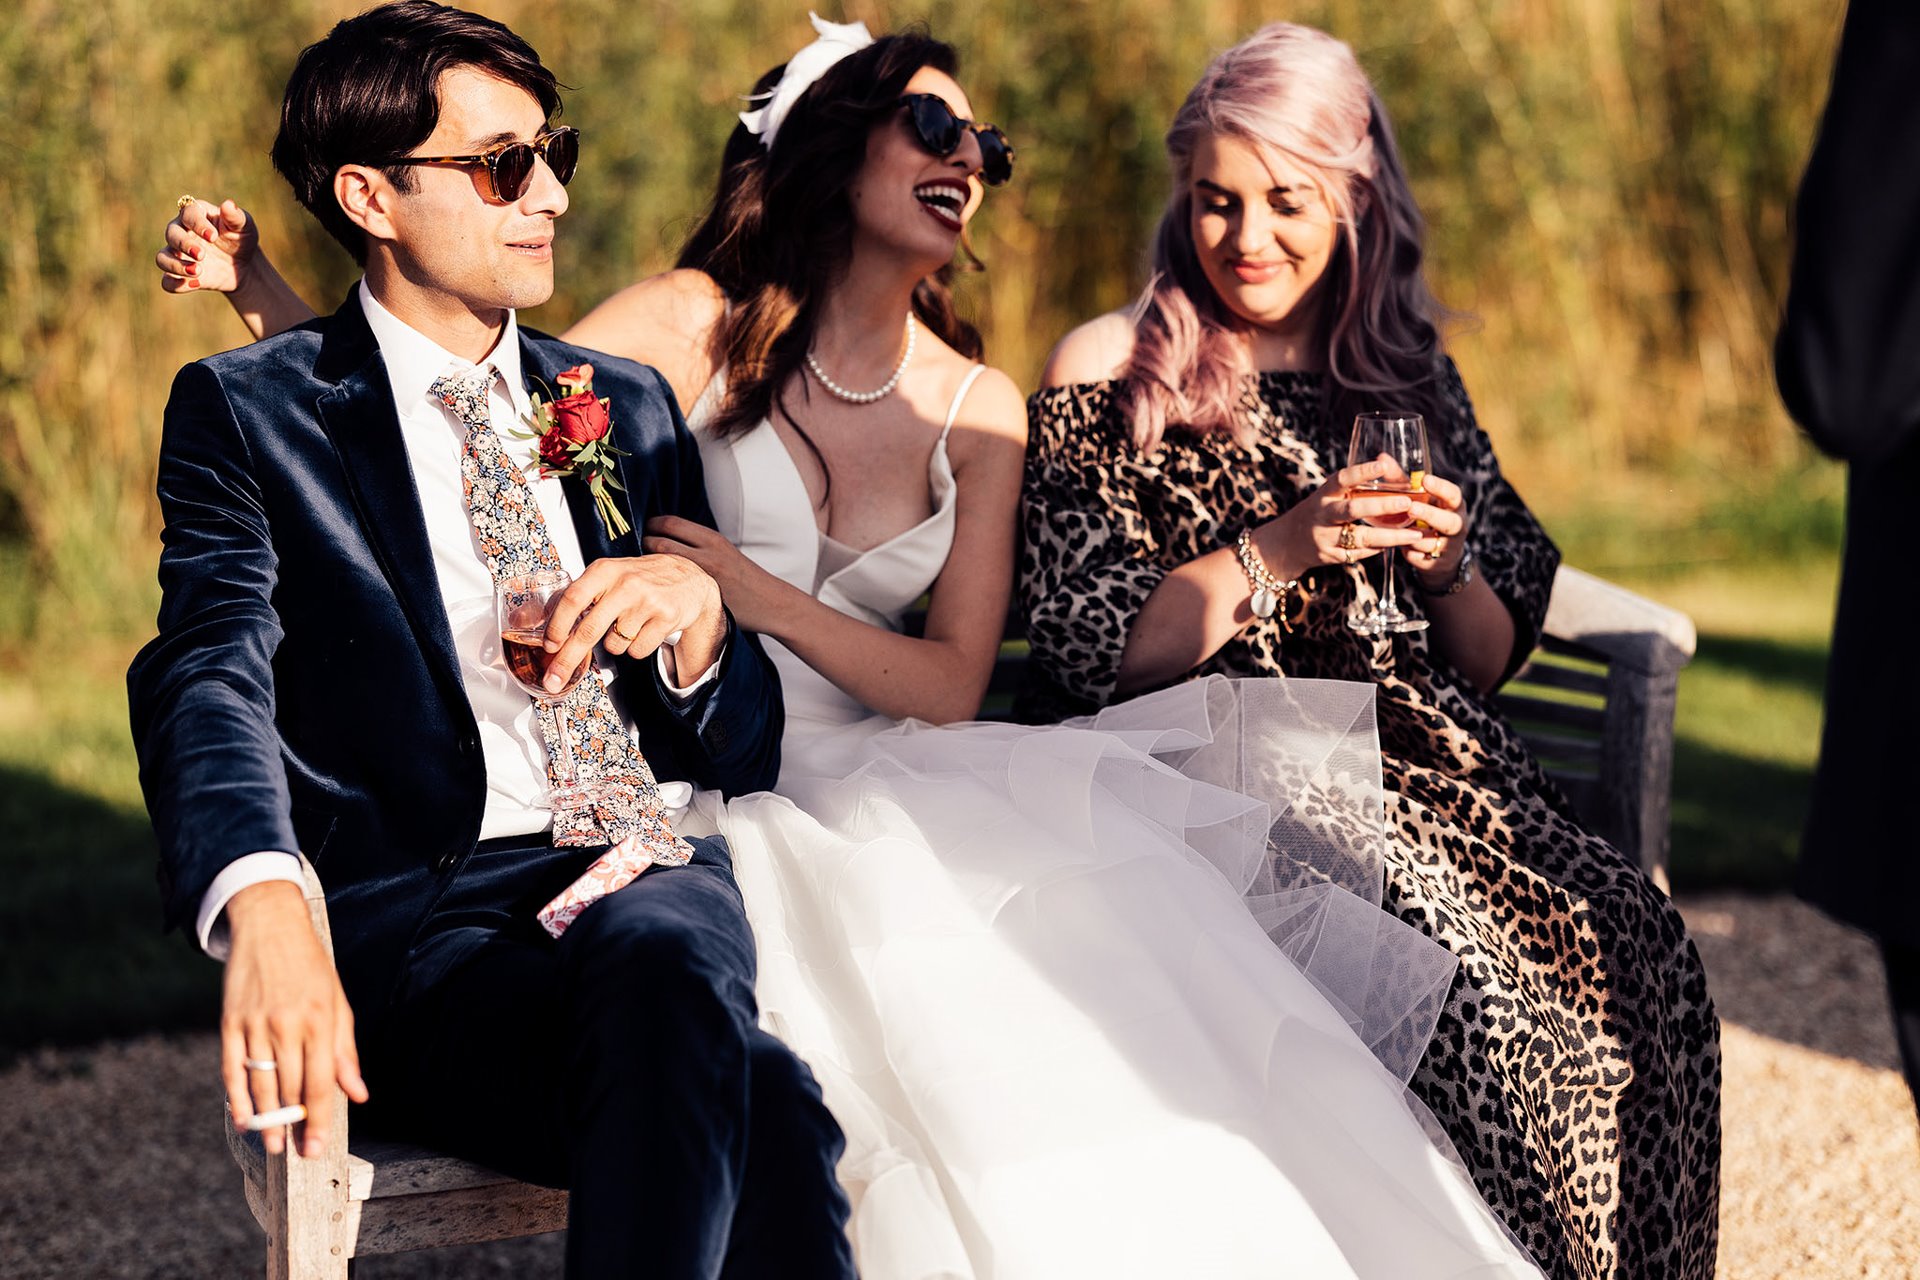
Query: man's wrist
point(270, 900)
point(700, 644)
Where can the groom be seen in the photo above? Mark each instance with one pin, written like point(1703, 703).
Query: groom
point(339, 504)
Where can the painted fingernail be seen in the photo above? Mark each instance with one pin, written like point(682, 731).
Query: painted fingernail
point(193, 284)
point(190, 267)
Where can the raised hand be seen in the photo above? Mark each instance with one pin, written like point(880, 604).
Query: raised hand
point(751, 594)
point(209, 247)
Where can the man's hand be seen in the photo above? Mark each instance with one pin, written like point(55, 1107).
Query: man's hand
point(634, 604)
point(284, 1005)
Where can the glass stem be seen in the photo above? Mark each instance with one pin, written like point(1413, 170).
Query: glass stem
point(1389, 602)
point(563, 747)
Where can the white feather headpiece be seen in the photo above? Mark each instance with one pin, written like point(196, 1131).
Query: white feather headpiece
point(837, 40)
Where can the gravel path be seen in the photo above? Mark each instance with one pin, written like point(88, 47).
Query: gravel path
point(113, 1165)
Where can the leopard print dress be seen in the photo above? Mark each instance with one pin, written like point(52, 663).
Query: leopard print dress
point(1577, 1063)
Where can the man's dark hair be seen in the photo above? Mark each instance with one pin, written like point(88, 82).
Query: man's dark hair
point(368, 94)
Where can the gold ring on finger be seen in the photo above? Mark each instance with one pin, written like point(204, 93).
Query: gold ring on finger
point(1348, 541)
point(1348, 555)
point(185, 202)
point(620, 635)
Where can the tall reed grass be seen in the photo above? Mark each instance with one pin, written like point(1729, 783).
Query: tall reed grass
point(1607, 183)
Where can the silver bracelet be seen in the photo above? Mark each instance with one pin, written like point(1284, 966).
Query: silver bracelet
point(1270, 594)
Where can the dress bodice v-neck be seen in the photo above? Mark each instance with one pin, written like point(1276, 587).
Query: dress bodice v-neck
point(761, 505)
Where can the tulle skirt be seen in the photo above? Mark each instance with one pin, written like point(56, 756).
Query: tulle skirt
point(1114, 998)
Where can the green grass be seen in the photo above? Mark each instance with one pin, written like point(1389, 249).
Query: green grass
point(80, 918)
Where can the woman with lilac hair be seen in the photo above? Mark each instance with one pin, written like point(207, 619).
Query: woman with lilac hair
point(1187, 514)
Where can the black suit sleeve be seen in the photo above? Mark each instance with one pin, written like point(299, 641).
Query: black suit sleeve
point(201, 692)
point(728, 736)
point(1848, 355)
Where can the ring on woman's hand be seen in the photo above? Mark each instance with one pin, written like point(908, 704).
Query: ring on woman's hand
point(1348, 542)
point(261, 1064)
point(184, 201)
point(620, 635)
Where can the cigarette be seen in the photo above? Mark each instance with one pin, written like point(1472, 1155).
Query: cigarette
point(274, 1119)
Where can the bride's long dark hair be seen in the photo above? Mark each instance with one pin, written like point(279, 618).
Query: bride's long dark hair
point(780, 231)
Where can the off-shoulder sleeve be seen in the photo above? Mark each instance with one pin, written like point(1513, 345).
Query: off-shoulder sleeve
point(1090, 556)
point(1513, 552)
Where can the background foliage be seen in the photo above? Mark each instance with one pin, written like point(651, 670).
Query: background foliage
point(1607, 184)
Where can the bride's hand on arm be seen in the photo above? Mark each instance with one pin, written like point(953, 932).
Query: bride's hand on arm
point(1207, 601)
point(755, 598)
point(215, 248)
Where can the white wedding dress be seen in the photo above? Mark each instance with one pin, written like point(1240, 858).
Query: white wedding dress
point(1107, 1000)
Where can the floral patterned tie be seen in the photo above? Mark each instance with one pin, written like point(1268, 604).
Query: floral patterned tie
point(513, 536)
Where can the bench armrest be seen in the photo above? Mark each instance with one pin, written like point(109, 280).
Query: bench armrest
point(1631, 630)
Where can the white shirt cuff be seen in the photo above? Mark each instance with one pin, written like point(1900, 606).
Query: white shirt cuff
point(242, 873)
point(682, 696)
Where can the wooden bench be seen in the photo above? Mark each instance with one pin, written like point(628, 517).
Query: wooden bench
point(1596, 701)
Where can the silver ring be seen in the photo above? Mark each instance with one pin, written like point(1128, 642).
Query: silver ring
point(261, 1064)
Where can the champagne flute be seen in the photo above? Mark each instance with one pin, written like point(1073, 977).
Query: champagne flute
point(1401, 440)
point(523, 604)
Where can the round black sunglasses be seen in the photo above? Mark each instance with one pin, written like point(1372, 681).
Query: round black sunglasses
point(940, 132)
point(510, 165)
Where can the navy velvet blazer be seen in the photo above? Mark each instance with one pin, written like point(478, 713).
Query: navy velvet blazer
point(303, 691)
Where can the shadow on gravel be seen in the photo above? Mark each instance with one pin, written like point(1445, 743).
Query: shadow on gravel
point(1781, 969)
point(81, 953)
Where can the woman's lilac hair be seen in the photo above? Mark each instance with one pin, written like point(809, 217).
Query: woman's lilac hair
point(1298, 92)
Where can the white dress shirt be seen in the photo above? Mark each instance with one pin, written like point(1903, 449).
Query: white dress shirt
point(511, 747)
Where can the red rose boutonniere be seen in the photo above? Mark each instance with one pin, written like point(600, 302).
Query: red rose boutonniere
point(571, 429)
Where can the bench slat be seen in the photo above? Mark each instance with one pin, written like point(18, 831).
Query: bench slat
point(397, 1224)
point(1555, 676)
point(1562, 749)
point(376, 1170)
point(1569, 715)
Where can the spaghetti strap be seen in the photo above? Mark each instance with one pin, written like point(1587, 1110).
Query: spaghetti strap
point(966, 385)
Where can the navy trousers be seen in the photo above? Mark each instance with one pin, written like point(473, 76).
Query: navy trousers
point(623, 1062)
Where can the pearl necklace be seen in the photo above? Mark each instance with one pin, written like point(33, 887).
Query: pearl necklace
point(884, 390)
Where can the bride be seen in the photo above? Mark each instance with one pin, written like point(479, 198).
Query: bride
point(1110, 999)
